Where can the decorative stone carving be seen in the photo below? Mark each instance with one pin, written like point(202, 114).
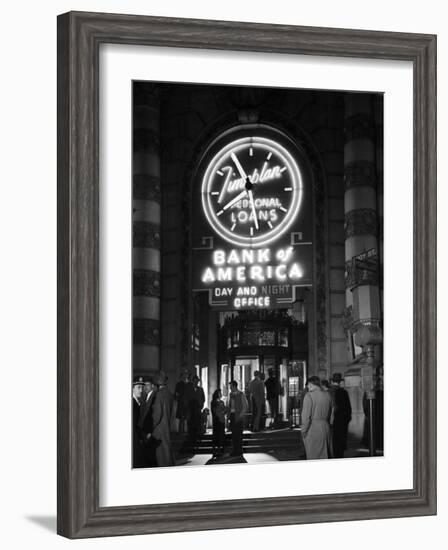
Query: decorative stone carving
point(360, 173)
point(145, 235)
point(368, 332)
point(347, 318)
point(146, 283)
point(362, 221)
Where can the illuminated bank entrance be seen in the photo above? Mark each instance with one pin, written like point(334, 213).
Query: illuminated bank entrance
point(232, 345)
point(252, 266)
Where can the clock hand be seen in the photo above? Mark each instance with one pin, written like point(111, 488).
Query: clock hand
point(238, 165)
point(254, 212)
point(234, 200)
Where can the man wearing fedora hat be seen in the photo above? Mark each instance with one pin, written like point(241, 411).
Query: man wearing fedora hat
point(317, 414)
point(161, 419)
point(146, 421)
point(342, 416)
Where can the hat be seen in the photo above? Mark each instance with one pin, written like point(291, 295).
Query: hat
point(159, 378)
point(138, 381)
point(337, 377)
point(148, 380)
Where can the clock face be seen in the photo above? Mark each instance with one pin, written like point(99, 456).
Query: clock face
point(252, 191)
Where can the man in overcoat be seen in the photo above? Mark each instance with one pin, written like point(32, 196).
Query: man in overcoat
point(317, 413)
point(146, 423)
point(238, 407)
point(161, 418)
point(195, 399)
point(257, 397)
point(342, 416)
point(137, 448)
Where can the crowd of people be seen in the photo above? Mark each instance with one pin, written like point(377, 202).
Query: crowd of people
point(325, 414)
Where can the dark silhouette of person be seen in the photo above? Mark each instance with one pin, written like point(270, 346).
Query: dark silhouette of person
point(256, 391)
point(219, 411)
point(272, 394)
point(238, 407)
point(161, 417)
point(179, 396)
point(195, 399)
point(342, 416)
point(146, 422)
point(137, 447)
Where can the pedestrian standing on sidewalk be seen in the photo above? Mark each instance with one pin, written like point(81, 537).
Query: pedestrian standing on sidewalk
point(256, 390)
point(238, 407)
point(161, 420)
point(317, 413)
point(272, 394)
point(195, 399)
point(219, 411)
point(342, 416)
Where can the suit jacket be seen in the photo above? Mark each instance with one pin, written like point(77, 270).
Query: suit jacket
point(135, 418)
point(241, 405)
point(256, 388)
point(137, 452)
point(161, 413)
point(161, 438)
point(195, 399)
point(146, 415)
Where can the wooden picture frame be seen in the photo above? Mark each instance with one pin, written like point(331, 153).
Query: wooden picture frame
point(79, 38)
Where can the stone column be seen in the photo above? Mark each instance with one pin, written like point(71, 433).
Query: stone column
point(363, 313)
point(146, 230)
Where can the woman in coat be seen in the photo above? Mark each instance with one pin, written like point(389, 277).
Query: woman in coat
point(317, 414)
point(219, 411)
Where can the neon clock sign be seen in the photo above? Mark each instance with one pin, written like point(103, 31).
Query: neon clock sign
point(252, 191)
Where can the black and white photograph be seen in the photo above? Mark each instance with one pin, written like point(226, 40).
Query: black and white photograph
point(223, 257)
point(257, 262)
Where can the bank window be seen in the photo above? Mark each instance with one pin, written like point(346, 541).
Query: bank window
point(283, 337)
point(266, 338)
point(236, 338)
point(249, 338)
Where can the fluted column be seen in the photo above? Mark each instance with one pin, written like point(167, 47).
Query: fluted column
point(361, 249)
point(146, 230)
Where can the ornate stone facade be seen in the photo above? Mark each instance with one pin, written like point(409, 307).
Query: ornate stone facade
point(362, 221)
